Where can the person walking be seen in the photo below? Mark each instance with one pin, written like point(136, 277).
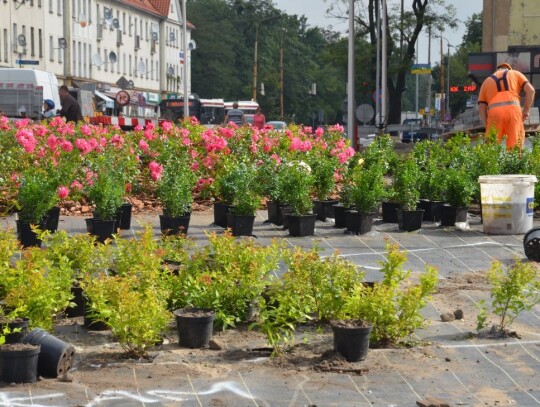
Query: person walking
point(258, 119)
point(235, 115)
point(499, 104)
point(71, 109)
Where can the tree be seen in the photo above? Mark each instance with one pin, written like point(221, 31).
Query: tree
point(405, 27)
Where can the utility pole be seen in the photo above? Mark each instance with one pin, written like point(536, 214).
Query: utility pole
point(428, 95)
point(351, 119)
point(281, 77)
point(443, 100)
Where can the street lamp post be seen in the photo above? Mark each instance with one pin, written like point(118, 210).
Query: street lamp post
point(445, 91)
point(255, 56)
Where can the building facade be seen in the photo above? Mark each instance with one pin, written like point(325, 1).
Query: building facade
point(106, 45)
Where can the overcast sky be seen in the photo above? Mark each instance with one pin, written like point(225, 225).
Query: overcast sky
point(315, 11)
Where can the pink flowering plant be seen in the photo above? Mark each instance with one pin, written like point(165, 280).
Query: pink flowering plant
point(175, 180)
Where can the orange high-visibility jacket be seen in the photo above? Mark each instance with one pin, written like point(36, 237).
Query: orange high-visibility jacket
point(500, 92)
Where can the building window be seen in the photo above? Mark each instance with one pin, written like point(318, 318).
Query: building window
point(124, 63)
point(124, 23)
point(99, 53)
point(73, 8)
point(136, 26)
point(15, 44)
point(51, 6)
point(84, 64)
point(146, 30)
point(6, 47)
point(59, 7)
point(106, 59)
point(60, 54)
point(39, 3)
point(157, 70)
point(24, 33)
point(89, 60)
point(32, 42)
point(51, 48)
point(130, 70)
point(40, 43)
point(152, 70)
point(130, 26)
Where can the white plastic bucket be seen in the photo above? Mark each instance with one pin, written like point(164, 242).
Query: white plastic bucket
point(507, 203)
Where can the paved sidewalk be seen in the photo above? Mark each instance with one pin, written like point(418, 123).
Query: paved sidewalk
point(449, 365)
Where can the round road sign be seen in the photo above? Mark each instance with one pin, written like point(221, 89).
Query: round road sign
point(122, 98)
point(364, 113)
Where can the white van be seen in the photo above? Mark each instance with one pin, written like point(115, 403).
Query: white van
point(22, 92)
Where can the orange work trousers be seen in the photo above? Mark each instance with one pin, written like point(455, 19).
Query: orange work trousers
point(508, 121)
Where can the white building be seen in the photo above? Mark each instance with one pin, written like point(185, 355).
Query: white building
point(100, 45)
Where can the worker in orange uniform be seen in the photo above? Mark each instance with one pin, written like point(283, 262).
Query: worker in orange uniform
point(499, 104)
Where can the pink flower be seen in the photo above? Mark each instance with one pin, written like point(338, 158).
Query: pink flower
point(86, 130)
point(22, 123)
point(76, 185)
point(26, 139)
point(83, 146)
point(276, 158)
point(166, 126)
point(156, 170)
point(117, 140)
point(52, 141)
point(90, 178)
point(193, 120)
point(149, 134)
point(62, 192)
point(143, 145)
point(66, 145)
point(319, 132)
point(138, 127)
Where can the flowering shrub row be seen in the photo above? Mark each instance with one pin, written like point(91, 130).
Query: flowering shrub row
point(87, 160)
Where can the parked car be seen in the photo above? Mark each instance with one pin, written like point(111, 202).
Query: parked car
point(277, 125)
point(413, 135)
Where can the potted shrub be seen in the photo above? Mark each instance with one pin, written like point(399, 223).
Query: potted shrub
point(323, 168)
point(175, 183)
point(242, 180)
point(297, 184)
point(459, 189)
point(37, 194)
point(407, 195)
point(133, 302)
point(392, 307)
point(269, 176)
point(429, 156)
point(228, 275)
point(367, 192)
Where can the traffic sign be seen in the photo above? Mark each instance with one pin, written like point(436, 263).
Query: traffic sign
point(421, 69)
point(26, 62)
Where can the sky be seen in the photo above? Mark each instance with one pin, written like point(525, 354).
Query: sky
point(315, 11)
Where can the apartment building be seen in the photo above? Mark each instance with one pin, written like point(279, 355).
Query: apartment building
point(100, 45)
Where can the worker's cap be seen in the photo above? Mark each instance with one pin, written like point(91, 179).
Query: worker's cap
point(49, 103)
point(504, 65)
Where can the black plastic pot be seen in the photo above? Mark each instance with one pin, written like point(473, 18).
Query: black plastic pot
point(125, 216)
point(26, 235)
point(194, 326)
point(410, 220)
point(174, 225)
point(351, 342)
point(241, 225)
point(358, 223)
point(52, 218)
point(339, 215)
point(432, 210)
point(450, 215)
point(19, 365)
point(20, 324)
point(324, 209)
point(389, 212)
point(56, 356)
point(531, 244)
point(78, 299)
point(220, 214)
point(301, 225)
point(274, 215)
point(102, 229)
point(285, 211)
